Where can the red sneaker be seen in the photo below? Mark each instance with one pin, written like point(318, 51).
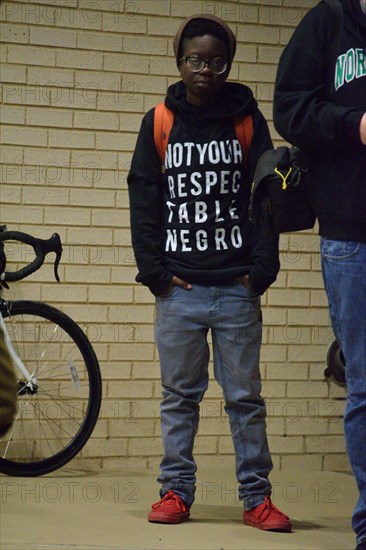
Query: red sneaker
point(267, 517)
point(170, 509)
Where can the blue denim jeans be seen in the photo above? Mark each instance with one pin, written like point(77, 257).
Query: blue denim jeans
point(344, 272)
point(183, 319)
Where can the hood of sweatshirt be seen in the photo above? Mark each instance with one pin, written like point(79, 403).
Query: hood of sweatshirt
point(354, 10)
point(236, 101)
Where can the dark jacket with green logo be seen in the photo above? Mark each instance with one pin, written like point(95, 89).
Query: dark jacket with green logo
point(325, 122)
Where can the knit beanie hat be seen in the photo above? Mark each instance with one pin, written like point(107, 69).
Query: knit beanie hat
point(231, 40)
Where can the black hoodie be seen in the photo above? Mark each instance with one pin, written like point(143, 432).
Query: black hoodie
point(192, 221)
point(324, 120)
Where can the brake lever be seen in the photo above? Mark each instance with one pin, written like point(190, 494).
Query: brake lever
point(58, 251)
point(53, 244)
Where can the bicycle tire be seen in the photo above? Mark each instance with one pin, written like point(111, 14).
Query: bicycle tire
point(43, 439)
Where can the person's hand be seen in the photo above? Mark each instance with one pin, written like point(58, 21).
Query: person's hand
point(176, 281)
point(363, 129)
point(244, 280)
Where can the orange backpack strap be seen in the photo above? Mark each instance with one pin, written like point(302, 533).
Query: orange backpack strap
point(164, 119)
point(163, 122)
point(244, 132)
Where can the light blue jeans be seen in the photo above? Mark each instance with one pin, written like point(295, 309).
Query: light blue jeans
point(183, 320)
point(344, 272)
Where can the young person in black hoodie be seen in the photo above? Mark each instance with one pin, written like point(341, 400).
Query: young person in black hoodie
point(330, 124)
point(207, 265)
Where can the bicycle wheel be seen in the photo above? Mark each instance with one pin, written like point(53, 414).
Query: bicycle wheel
point(56, 417)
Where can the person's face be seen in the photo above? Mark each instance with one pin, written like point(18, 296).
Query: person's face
point(363, 5)
point(203, 87)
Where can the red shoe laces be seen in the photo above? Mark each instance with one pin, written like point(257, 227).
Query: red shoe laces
point(171, 499)
point(269, 507)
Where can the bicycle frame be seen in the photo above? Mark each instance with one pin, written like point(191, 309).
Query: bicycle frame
point(18, 363)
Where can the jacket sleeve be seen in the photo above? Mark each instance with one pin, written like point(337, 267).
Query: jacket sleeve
point(302, 113)
point(264, 246)
point(145, 186)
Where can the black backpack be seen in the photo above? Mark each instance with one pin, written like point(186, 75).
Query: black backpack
point(279, 200)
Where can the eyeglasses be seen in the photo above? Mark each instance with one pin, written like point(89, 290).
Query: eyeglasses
point(197, 64)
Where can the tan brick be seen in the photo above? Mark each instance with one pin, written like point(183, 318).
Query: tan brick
point(245, 53)
point(14, 135)
point(62, 216)
point(305, 280)
point(273, 354)
point(254, 72)
point(3, 54)
point(100, 447)
point(336, 463)
point(257, 34)
point(124, 24)
point(93, 274)
point(78, 19)
point(154, 7)
point(130, 389)
point(53, 37)
point(144, 45)
point(302, 353)
point(270, 15)
point(146, 371)
point(14, 33)
point(48, 117)
point(71, 139)
point(205, 445)
point(91, 41)
point(25, 94)
point(120, 464)
point(268, 54)
point(285, 445)
point(119, 295)
point(45, 157)
point(306, 317)
point(214, 426)
point(336, 426)
point(144, 446)
point(307, 389)
point(128, 428)
point(46, 196)
point(96, 121)
point(143, 295)
point(318, 298)
point(307, 426)
point(12, 73)
point(32, 215)
point(33, 55)
point(288, 297)
point(301, 462)
point(329, 444)
point(275, 426)
point(273, 389)
point(111, 218)
point(125, 62)
point(95, 197)
point(131, 351)
point(286, 372)
point(225, 445)
point(10, 194)
point(67, 293)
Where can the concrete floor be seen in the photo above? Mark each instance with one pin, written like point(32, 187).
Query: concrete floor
point(83, 510)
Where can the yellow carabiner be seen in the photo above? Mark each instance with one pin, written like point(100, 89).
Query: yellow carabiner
point(284, 178)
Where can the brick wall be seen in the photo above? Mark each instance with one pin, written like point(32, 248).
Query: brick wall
point(77, 77)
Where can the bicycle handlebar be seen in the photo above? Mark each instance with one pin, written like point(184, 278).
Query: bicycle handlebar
point(41, 248)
